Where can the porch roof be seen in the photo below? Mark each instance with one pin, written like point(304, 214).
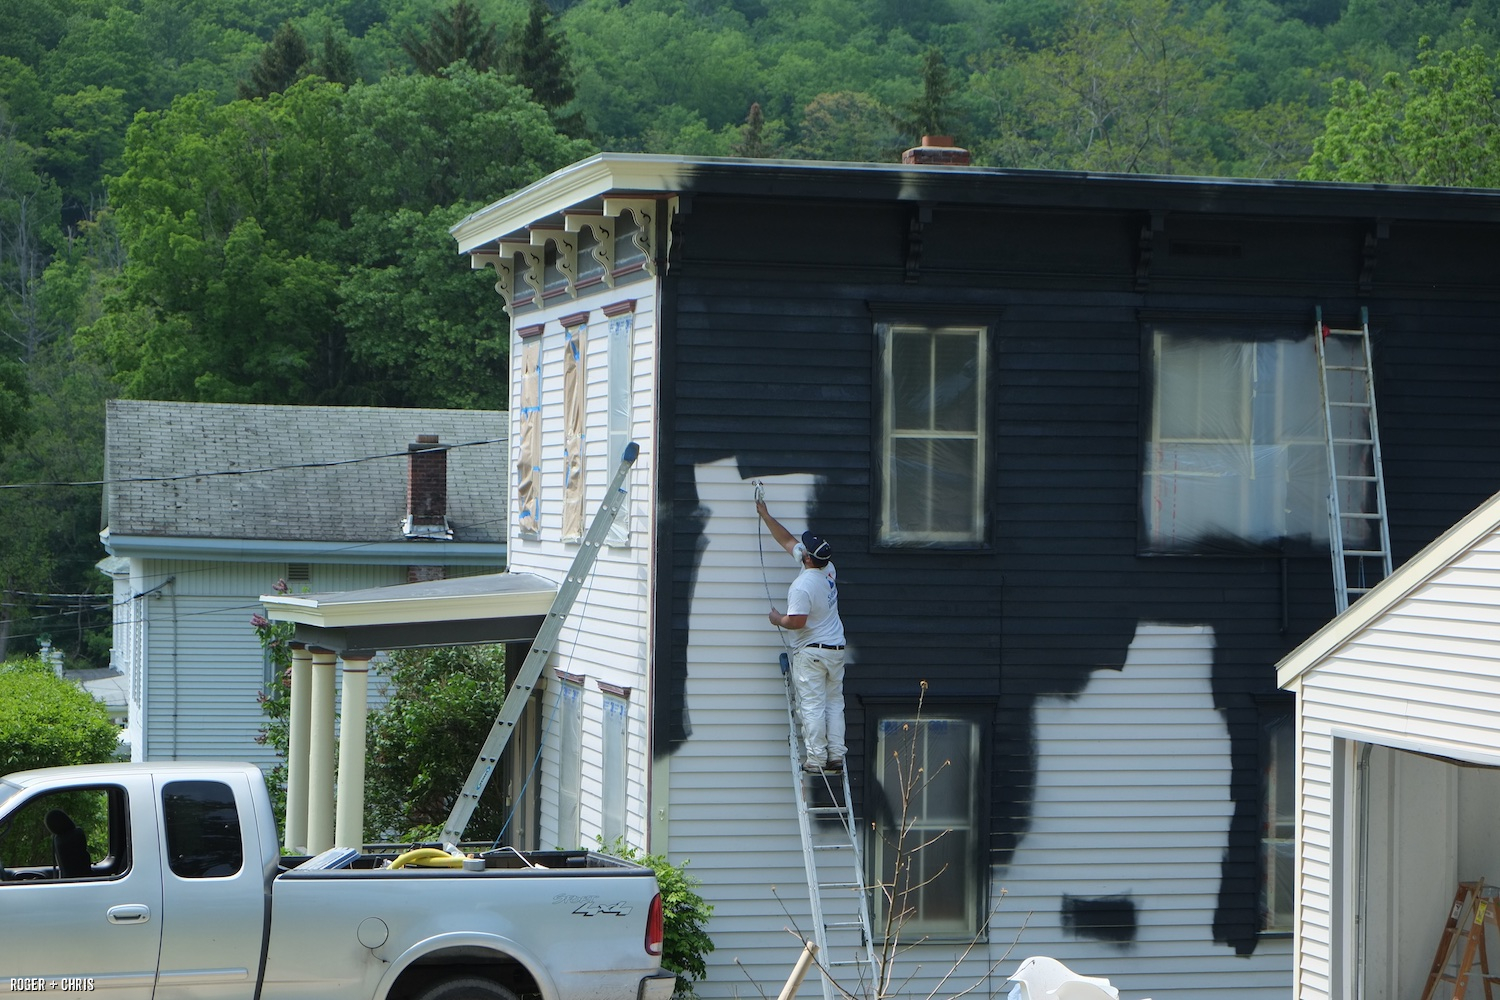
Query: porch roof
point(470, 610)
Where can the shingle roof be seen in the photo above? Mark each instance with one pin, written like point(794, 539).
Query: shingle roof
point(362, 501)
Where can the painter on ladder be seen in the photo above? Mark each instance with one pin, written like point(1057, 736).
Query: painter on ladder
point(812, 616)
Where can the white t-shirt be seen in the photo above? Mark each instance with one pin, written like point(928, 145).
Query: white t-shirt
point(815, 593)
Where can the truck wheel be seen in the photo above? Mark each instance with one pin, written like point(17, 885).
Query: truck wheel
point(466, 988)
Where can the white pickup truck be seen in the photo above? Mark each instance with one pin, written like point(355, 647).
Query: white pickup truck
point(160, 881)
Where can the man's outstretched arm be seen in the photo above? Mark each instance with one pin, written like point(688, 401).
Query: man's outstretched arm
point(778, 531)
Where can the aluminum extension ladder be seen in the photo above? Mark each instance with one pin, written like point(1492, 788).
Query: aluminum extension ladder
point(1358, 534)
point(836, 887)
point(541, 649)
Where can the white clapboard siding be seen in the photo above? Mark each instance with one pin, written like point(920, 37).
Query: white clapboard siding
point(1132, 800)
point(607, 633)
point(1411, 673)
point(732, 810)
point(197, 665)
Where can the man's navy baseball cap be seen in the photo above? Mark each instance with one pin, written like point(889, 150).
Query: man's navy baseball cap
point(816, 547)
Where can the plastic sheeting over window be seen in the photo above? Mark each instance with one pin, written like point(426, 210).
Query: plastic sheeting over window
point(1235, 456)
point(573, 432)
point(932, 474)
point(528, 456)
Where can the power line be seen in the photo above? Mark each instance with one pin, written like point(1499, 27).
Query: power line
point(250, 472)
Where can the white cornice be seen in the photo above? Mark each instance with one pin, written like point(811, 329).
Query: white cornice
point(606, 173)
point(505, 595)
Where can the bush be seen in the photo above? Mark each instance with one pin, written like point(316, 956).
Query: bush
point(422, 744)
point(46, 721)
point(684, 914)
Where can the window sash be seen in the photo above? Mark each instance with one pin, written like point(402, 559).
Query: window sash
point(1236, 443)
point(612, 820)
point(944, 881)
point(933, 468)
point(1278, 814)
point(570, 765)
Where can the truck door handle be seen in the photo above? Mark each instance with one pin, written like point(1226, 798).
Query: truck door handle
point(130, 913)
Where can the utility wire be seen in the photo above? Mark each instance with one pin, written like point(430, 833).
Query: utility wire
point(251, 472)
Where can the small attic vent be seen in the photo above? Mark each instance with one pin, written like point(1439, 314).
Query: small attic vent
point(298, 572)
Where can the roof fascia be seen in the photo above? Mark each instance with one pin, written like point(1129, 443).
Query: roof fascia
point(337, 611)
point(435, 552)
point(566, 188)
point(1412, 575)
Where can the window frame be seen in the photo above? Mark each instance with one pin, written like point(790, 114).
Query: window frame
point(934, 322)
point(1247, 537)
point(976, 714)
point(570, 761)
point(1276, 850)
point(614, 810)
point(116, 862)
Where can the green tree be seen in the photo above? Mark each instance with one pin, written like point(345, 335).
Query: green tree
point(283, 62)
point(421, 745)
point(1437, 124)
point(847, 126)
point(459, 34)
point(46, 721)
point(758, 138)
point(1131, 86)
point(932, 112)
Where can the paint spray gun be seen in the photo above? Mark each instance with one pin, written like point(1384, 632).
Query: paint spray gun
point(760, 490)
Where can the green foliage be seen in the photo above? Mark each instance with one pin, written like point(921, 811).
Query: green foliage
point(685, 916)
point(276, 703)
point(46, 721)
point(1437, 124)
point(282, 63)
point(459, 35)
point(421, 745)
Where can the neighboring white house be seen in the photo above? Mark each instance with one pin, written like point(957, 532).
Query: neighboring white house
point(1398, 749)
point(208, 505)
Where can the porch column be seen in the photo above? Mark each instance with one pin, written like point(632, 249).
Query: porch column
point(296, 751)
point(349, 830)
point(320, 755)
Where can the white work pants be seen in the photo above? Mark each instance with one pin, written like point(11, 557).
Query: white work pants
point(818, 679)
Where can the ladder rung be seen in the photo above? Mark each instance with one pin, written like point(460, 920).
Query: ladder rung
point(1364, 552)
point(840, 885)
point(843, 925)
point(833, 847)
point(1348, 332)
point(1353, 404)
point(1357, 479)
point(1344, 368)
point(827, 810)
point(1361, 515)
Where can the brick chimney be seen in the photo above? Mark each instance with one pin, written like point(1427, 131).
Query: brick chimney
point(426, 489)
point(937, 151)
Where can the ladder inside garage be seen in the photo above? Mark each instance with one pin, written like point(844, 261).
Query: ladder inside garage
point(541, 648)
point(1359, 535)
point(836, 887)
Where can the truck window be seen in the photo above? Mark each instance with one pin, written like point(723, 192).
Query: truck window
point(75, 833)
point(202, 829)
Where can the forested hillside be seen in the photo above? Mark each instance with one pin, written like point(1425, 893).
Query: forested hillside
point(247, 200)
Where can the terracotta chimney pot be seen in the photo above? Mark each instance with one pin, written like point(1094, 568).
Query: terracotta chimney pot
point(937, 151)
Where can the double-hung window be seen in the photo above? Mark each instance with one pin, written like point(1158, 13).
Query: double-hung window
point(1278, 818)
point(1235, 454)
point(933, 443)
point(927, 855)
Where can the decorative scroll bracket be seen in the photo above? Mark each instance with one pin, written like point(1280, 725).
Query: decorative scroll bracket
point(535, 258)
point(567, 253)
point(644, 210)
point(1146, 248)
point(1370, 253)
point(505, 274)
point(603, 228)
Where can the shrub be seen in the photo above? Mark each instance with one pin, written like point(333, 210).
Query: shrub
point(685, 916)
point(46, 721)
